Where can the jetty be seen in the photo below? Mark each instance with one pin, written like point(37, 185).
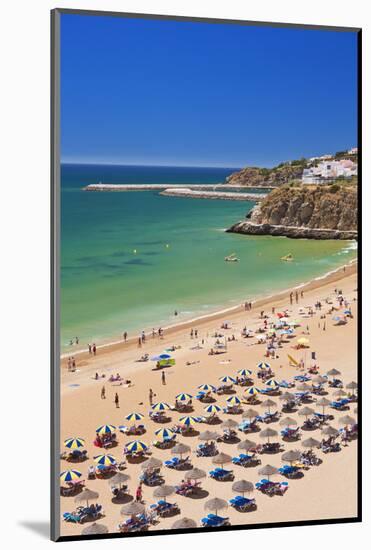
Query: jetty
point(160, 186)
point(220, 195)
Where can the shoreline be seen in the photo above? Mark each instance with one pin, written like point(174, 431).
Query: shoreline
point(334, 275)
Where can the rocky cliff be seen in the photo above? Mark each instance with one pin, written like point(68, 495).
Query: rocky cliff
point(318, 212)
point(267, 177)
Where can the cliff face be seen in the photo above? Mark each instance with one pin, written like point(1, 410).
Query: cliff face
point(265, 177)
point(305, 212)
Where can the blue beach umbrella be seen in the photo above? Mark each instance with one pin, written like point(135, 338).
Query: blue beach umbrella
point(234, 400)
point(161, 406)
point(252, 391)
point(272, 383)
point(263, 365)
point(134, 417)
point(245, 372)
point(136, 446)
point(206, 387)
point(164, 433)
point(227, 380)
point(74, 442)
point(161, 357)
point(105, 460)
point(183, 397)
point(212, 408)
point(70, 475)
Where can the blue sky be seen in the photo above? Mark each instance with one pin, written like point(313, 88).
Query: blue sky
point(137, 91)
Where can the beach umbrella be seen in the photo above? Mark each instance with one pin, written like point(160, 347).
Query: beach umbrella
point(184, 523)
point(180, 449)
point(268, 433)
point(158, 407)
point(252, 391)
point(268, 403)
point(291, 456)
point(340, 393)
point(250, 413)
point(134, 417)
point(287, 396)
point(272, 383)
point(136, 446)
point(188, 420)
point(329, 430)
point(195, 473)
point(133, 508)
point(105, 429)
point(306, 411)
point(268, 471)
point(118, 479)
point(95, 529)
point(333, 372)
point(70, 475)
point(263, 365)
point(221, 458)
point(243, 487)
point(227, 380)
point(163, 491)
point(74, 442)
point(233, 400)
point(352, 386)
point(304, 387)
point(216, 504)
point(161, 357)
point(347, 420)
point(164, 433)
point(311, 442)
point(151, 464)
point(288, 421)
point(86, 495)
point(303, 341)
point(229, 424)
point(208, 436)
point(319, 380)
point(212, 409)
point(206, 387)
point(245, 373)
point(183, 397)
point(323, 403)
point(246, 445)
point(105, 460)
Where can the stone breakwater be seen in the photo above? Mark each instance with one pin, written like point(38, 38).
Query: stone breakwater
point(219, 195)
point(156, 186)
point(293, 232)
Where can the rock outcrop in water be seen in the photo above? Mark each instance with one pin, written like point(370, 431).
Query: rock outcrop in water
point(312, 212)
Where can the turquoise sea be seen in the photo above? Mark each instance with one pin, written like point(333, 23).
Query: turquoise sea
point(129, 260)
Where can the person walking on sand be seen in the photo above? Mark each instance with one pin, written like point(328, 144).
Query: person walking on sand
point(94, 349)
point(291, 298)
point(163, 379)
point(139, 342)
point(196, 333)
point(125, 336)
point(117, 402)
point(191, 332)
point(89, 348)
point(139, 493)
point(103, 393)
point(150, 397)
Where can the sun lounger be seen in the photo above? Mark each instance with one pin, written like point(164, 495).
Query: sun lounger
point(220, 474)
point(243, 504)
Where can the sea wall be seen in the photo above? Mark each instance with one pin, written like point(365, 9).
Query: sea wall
point(293, 232)
point(219, 195)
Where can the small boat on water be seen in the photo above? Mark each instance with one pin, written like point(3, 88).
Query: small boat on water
point(287, 258)
point(232, 258)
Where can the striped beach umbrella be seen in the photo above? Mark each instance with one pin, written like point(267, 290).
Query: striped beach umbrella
point(206, 387)
point(227, 380)
point(74, 442)
point(105, 460)
point(105, 429)
point(245, 372)
point(164, 433)
point(233, 400)
point(134, 417)
point(188, 420)
point(251, 391)
point(272, 383)
point(161, 406)
point(212, 409)
point(70, 475)
point(183, 397)
point(263, 365)
point(136, 446)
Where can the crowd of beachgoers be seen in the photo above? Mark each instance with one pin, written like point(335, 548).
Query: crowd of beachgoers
point(212, 446)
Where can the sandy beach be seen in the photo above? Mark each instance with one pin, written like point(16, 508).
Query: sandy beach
point(324, 492)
